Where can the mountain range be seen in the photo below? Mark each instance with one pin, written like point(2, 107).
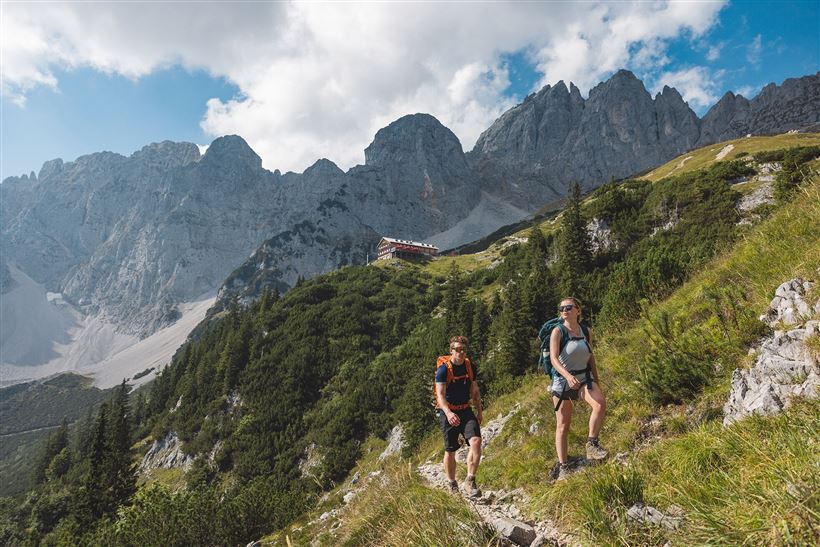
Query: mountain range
point(107, 250)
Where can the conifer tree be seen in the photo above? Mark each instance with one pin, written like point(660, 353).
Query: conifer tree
point(94, 495)
point(537, 248)
point(513, 335)
point(574, 247)
point(121, 478)
point(55, 444)
point(454, 303)
point(479, 328)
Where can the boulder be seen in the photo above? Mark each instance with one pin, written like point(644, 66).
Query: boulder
point(514, 530)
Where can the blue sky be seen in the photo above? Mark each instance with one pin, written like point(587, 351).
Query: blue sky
point(301, 82)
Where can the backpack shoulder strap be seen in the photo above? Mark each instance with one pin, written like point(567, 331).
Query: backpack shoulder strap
point(564, 336)
point(470, 373)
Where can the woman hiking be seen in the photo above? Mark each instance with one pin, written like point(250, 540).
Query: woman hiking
point(574, 376)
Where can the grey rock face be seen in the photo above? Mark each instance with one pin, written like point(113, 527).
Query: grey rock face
point(423, 165)
point(776, 109)
point(129, 238)
point(534, 150)
point(784, 367)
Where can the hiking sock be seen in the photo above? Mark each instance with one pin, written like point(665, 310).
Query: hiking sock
point(592, 440)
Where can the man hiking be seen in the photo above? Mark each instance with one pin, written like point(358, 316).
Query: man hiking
point(455, 387)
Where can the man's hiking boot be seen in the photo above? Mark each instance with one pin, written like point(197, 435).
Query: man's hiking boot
point(563, 471)
point(595, 451)
point(454, 487)
point(471, 487)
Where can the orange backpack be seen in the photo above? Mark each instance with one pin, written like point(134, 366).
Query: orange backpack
point(445, 360)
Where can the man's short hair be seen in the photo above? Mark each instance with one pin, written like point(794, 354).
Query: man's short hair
point(463, 340)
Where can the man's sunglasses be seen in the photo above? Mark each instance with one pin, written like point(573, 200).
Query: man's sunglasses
point(460, 349)
point(568, 307)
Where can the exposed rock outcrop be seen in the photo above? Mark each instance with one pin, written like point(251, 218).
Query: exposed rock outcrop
point(785, 367)
point(395, 442)
point(166, 453)
point(600, 236)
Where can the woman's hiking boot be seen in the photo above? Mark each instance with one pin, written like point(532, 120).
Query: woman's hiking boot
point(454, 487)
point(595, 451)
point(471, 487)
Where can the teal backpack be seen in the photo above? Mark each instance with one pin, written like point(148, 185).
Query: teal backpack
point(544, 336)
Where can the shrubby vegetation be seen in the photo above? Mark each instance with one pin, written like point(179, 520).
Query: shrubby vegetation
point(349, 354)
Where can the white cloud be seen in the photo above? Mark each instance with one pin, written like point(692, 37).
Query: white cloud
point(697, 85)
point(754, 50)
point(318, 80)
point(713, 54)
point(748, 91)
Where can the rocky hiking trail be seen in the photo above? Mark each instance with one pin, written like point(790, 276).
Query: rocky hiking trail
point(498, 508)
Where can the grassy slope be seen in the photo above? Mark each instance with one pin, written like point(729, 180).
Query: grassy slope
point(784, 246)
point(706, 156)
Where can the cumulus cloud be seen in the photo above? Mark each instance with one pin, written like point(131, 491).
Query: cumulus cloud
point(318, 80)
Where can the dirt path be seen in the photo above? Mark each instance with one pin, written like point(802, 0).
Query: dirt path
point(500, 508)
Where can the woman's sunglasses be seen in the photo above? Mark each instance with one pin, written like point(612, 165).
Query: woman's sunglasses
point(568, 307)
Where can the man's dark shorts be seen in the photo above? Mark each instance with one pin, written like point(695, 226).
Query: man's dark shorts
point(468, 428)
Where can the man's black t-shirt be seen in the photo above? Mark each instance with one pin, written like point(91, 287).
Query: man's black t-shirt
point(458, 392)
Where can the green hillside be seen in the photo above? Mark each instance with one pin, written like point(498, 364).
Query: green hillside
point(327, 369)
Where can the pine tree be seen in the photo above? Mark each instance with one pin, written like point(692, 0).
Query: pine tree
point(94, 496)
point(539, 297)
point(454, 303)
point(55, 444)
point(479, 329)
point(121, 478)
point(574, 247)
point(538, 248)
point(513, 335)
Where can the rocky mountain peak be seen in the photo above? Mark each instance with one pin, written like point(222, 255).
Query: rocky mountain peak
point(232, 149)
point(415, 138)
point(669, 94)
point(167, 154)
point(323, 168)
point(622, 85)
point(50, 168)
